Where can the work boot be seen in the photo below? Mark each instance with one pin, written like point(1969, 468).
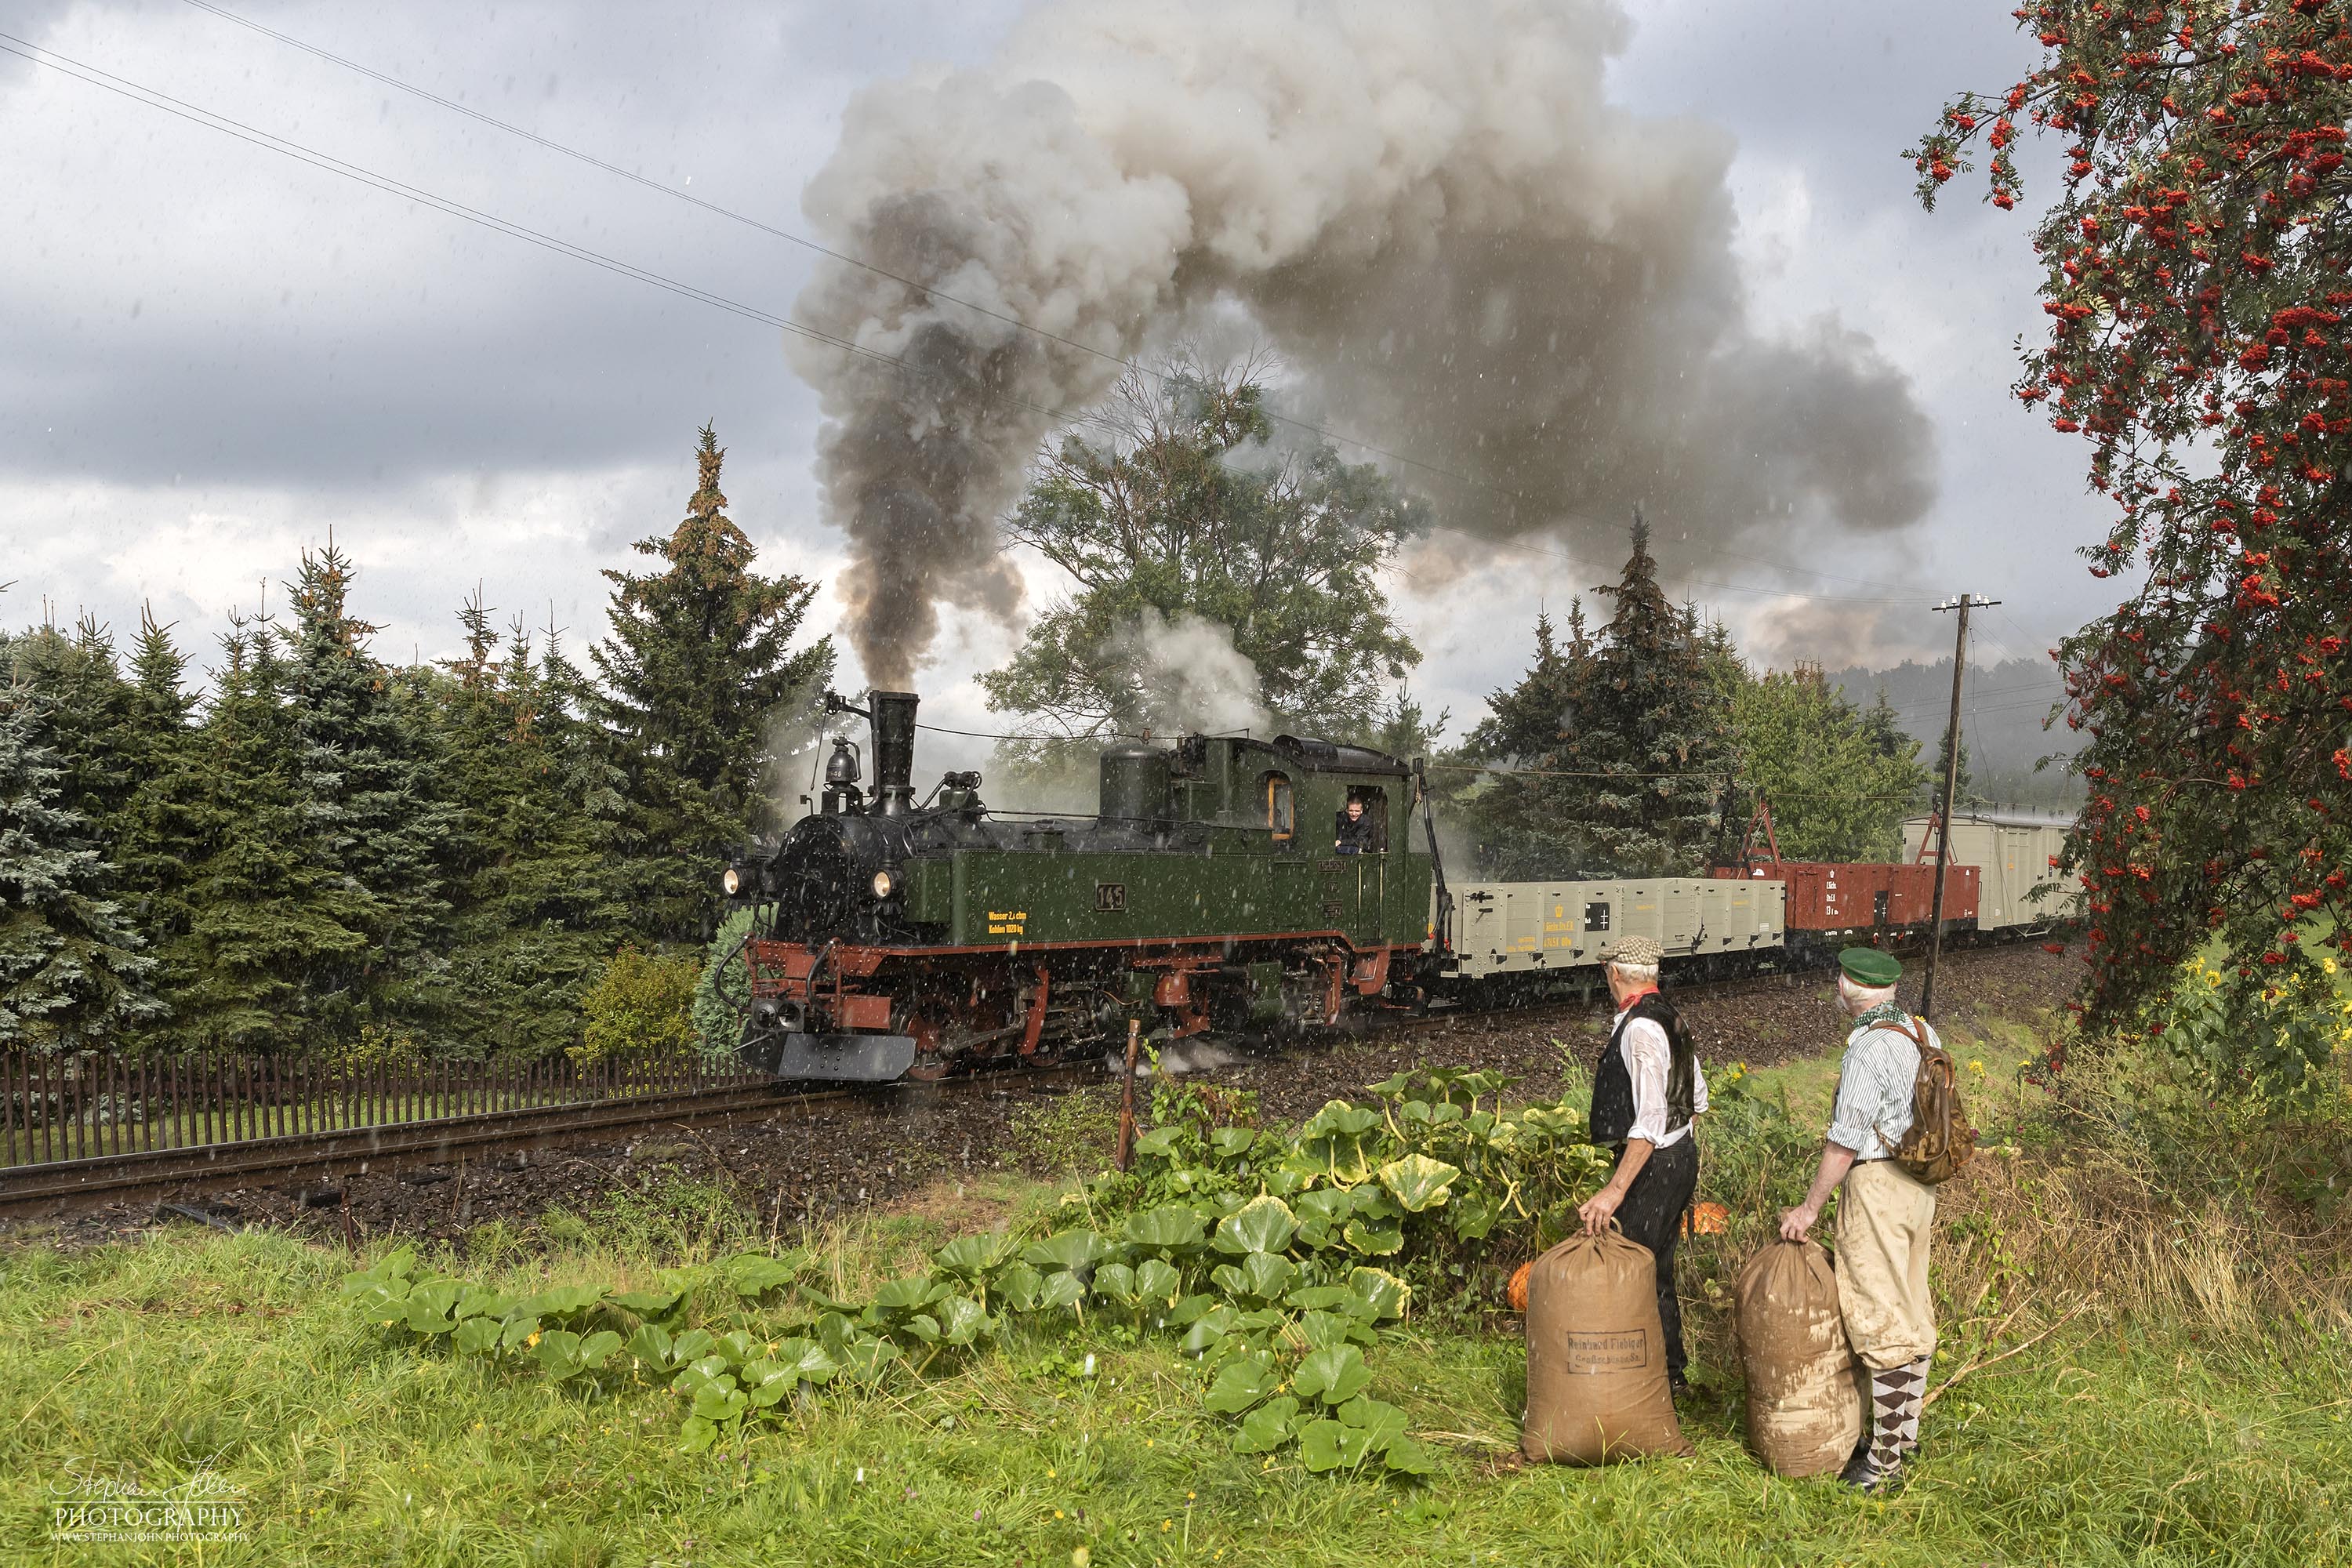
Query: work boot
point(1897, 1395)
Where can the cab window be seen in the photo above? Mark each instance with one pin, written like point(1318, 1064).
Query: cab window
point(1280, 818)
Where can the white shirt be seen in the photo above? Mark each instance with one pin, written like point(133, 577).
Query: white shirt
point(1649, 1058)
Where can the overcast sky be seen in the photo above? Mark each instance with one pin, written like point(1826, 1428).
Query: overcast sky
point(216, 354)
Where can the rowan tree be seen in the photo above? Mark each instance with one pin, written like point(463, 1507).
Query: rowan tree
point(2198, 275)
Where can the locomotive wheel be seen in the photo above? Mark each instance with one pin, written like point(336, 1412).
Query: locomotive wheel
point(930, 1066)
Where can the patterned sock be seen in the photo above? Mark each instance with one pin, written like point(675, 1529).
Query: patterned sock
point(1895, 1399)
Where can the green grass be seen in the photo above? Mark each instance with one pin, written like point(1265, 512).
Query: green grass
point(2128, 1444)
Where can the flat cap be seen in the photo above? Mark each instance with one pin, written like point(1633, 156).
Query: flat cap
point(1641, 952)
point(1870, 966)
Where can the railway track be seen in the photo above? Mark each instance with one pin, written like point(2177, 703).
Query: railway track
point(318, 1160)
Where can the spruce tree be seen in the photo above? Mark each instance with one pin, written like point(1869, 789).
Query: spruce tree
point(1659, 728)
point(159, 836)
point(1611, 754)
point(72, 976)
point(700, 676)
point(266, 916)
point(1523, 815)
point(537, 906)
point(367, 788)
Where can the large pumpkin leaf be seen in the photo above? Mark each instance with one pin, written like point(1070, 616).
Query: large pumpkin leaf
point(1231, 1143)
point(1409, 1457)
point(559, 1353)
point(974, 1257)
point(1261, 1276)
point(597, 1348)
point(1262, 1224)
point(1418, 1182)
point(645, 1303)
point(1268, 1426)
point(1076, 1250)
point(1171, 1228)
point(1387, 1294)
point(1380, 1422)
point(650, 1346)
point(1115, 1282)
point(561, 1301)
point(1334, 1374)
point(1473, 1214)
point(864, 1358)
point(809, 1362)
point(1019, 1286)
point(695, 1435)
point(899, 1298)
point(1240, 1383)
point(1212, 1326)
point(962, 1321)
point(478, 1336)
point(1062, 1289)
point(756, 1274)
point(1158, 1281)
point(1327, 1444)
point(1376, 1238)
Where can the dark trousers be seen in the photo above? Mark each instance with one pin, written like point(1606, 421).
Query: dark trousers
point(1652, 1215)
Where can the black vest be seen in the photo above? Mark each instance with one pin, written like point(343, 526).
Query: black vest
point(1612, 1086)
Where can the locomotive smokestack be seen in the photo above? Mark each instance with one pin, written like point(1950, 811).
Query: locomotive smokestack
point(892, 714)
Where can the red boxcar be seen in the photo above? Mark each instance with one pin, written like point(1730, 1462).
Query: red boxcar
point(1823, 897)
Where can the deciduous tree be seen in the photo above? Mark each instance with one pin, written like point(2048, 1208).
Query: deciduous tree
point(2198, 280)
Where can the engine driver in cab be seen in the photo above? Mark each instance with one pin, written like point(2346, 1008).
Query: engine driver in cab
point(1353, 830)
point(1647, 1089)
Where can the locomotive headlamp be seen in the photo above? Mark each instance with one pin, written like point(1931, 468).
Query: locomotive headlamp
point(884, 884)
point(733, 882)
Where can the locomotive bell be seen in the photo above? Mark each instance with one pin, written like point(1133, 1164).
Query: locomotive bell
point(841, 796)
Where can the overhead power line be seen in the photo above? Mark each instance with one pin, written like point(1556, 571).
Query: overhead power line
point(1006, 319)
point(197, 115)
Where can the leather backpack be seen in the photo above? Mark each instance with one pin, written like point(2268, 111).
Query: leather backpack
point(1940, 1140)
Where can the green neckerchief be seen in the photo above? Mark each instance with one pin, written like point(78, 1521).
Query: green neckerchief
point(1884, 1013)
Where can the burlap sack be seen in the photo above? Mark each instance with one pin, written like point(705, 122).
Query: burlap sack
point(1596, 1356)
point(1804, 1386)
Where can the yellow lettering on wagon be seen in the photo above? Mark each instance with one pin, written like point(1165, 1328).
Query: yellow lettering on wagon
point(1008, 922)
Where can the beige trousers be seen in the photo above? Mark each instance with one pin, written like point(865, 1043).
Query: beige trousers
point(1882, 1220)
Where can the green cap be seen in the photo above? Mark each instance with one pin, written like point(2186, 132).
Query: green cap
point(1869, 966)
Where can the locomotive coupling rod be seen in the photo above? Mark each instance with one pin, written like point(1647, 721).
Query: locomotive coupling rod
point(1126, 1155)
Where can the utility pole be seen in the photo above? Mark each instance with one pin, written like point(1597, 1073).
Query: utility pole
point(1944, 814)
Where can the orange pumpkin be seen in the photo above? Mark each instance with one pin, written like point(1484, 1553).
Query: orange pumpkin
point(1708, 1219)
point(1517, 1291)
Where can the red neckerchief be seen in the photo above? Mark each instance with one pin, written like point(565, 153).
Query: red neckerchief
point(1645, 990)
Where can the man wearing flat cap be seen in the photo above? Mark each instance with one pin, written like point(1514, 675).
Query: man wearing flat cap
point(1884, 1215)
point(1646, 1087)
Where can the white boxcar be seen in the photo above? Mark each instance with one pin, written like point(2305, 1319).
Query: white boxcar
point(1524, 928)
point(2014, 852)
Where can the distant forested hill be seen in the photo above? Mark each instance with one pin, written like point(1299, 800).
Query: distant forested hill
point(2001, 712)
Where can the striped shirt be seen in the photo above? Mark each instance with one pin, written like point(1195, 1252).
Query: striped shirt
point(1876, 1084)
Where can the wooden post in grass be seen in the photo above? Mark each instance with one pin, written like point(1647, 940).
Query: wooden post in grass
point(1126, 1155)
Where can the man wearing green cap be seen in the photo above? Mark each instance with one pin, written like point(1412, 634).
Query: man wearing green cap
point(1884, 1215)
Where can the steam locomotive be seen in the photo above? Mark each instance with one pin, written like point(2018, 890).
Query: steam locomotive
point(893, 937)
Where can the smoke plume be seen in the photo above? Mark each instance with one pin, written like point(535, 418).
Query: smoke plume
point(1433, 213)
point(1188, 676)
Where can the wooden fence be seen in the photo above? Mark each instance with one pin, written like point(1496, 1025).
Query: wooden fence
point(91, 1106)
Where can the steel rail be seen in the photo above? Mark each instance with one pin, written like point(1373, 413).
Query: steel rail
point(62, 1186)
